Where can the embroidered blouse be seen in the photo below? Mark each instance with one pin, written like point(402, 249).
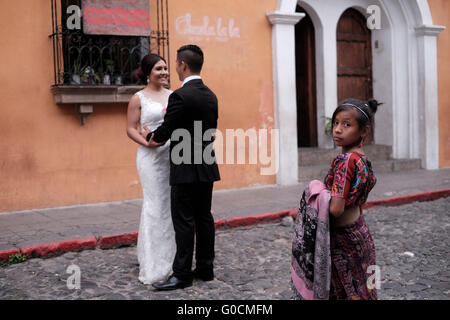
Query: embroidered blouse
point(350, 177)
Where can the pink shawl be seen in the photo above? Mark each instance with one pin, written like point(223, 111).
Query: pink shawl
point(311, 260)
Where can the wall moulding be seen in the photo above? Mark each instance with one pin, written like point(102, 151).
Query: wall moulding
point(429, 30)
point(84, 97)
point(278, 17)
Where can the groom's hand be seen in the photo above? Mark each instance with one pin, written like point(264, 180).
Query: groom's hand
point(151, 144)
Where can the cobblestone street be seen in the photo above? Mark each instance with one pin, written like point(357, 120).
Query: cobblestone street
point(254, 263)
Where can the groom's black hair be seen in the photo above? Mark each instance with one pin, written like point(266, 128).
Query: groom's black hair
point(192, 55)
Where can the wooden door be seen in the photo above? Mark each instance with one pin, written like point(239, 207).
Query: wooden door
point(306, 82)
point(354, 58)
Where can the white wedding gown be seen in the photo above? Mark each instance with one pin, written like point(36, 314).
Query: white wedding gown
point(156, 238)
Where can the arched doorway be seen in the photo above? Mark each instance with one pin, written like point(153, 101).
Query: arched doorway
point(399, 81)
point(354, 58)
point(305, 54)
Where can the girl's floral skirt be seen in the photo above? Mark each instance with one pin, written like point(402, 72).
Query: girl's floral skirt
point(352, 253)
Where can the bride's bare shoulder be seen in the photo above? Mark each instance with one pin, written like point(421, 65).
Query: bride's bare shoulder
point(137, 94)
point(135, 97)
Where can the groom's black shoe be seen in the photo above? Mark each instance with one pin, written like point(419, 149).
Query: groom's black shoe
point(204, 275)
point(172, 283)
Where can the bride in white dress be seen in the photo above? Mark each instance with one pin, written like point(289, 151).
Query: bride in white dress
point(156, 237)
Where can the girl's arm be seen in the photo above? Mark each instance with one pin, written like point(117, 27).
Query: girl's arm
point(133, 116)
point(337, 206)
point(341, 187)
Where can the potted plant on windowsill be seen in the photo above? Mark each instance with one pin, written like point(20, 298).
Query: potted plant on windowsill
point(118, 80)
point(87, 76)
point(109, 72)
point(99, 75)
point(77, 71)
point(106, 79)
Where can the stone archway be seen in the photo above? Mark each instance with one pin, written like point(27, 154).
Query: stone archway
point(411, 76)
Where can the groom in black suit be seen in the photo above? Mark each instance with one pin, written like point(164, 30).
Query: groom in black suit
point(192, 110)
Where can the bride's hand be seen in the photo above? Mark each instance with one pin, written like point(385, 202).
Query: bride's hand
point(144, 132)
point(153, 144)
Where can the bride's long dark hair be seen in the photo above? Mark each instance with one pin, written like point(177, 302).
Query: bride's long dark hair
point(145, 67)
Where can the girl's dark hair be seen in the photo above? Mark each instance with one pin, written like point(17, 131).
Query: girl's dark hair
point(365, 110)
point(145, 67)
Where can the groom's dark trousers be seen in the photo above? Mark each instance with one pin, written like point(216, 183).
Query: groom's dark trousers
point(190, 108)
point(191, 213)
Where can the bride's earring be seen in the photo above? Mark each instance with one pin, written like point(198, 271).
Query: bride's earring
point(148, 80)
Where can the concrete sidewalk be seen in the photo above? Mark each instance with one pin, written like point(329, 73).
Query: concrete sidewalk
point(32, 227)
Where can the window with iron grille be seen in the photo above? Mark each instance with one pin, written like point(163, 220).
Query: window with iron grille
point(82, 58)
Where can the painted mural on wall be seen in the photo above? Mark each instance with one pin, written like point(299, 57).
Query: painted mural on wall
point(116, 17)
point(207, 29)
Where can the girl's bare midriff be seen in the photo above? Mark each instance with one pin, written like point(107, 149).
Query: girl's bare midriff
point(350, 215)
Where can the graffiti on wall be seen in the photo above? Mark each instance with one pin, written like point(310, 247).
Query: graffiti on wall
point(218, 29)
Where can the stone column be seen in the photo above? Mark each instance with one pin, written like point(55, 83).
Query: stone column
point(428, 85)
point(285, 97)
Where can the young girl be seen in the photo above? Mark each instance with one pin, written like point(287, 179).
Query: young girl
point(350, 180)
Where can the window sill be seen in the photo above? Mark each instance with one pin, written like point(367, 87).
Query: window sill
point(85, 96)
point(89, 94)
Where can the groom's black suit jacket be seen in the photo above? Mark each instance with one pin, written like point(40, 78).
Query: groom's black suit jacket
point(192, 102)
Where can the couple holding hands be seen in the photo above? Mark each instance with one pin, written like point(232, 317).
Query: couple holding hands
point(176, 196)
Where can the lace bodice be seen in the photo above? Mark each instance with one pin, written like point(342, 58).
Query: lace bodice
point(152, 112)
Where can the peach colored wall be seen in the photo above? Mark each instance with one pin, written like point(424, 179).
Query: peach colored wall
point(238, 67)
point(440, 11)
point(48, 159)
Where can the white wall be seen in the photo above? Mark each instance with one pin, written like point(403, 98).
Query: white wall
point(404, 73)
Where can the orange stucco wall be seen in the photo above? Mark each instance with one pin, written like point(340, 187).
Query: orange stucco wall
point(48, 159)
point(238, 67)
point(440, 11)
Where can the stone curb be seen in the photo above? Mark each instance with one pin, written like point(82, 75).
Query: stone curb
point(52, 249)
point(56, 248)
point(5, 254)
point(416, 197)
point(115, 241)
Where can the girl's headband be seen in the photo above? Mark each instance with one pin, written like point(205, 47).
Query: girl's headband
point(361, 110)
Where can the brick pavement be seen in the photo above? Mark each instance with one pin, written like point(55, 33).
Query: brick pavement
point(253, 263)
point(26, 228)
